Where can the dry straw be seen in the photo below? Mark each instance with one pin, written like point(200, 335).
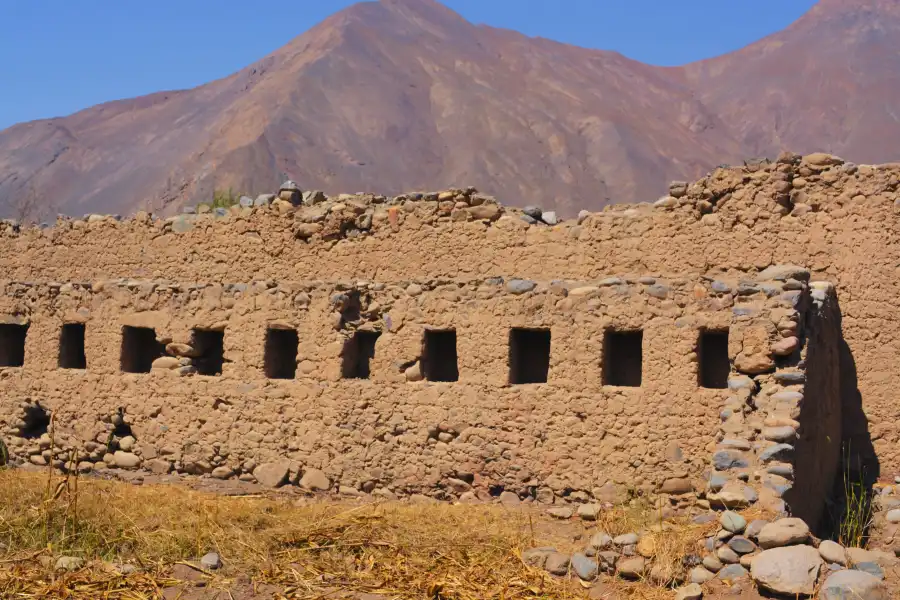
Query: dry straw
point(398, 550)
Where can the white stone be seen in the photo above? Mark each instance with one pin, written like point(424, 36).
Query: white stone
point(211, 561)
point(783, 532)
point(691, 591)
point(126, 460)
point(832, 552)
point(789, 570)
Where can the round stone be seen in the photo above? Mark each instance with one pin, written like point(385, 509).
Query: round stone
point(732, 521)
point(855, 585)
point(741, 545)
point(211, 561)
point(832, 552)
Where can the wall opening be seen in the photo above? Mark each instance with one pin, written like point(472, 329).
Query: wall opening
point(529, 355)
point(623, 358)
point(139, 349)
point(712, 355)
point(12, 345)
point(209, 345)
point(358, 351)
point(71, 347)
point(280, 353)
point(35, 422)
point(121, 427)
point(439, 359)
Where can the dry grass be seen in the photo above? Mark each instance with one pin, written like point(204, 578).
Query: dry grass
point(436, 551)
point(414, 551)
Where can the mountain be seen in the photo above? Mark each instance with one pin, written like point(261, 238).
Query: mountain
point(404, 95)
point(828, 82)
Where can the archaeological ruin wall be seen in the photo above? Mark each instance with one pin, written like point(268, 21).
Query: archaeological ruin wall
point(441, 343)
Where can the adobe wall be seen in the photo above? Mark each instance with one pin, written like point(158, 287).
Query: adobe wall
point(837, 220)
point(571, 434)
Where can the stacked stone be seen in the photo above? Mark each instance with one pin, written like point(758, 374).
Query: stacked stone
point(317, 216)
point(780, 557)
point(534, 215)
point(792, 186)
point(180, 358)
point(784, 559)
point(629, 556)
point(32, 439)
point(753, 459)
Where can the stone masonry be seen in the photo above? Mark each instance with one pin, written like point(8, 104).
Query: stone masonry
point(441, 343)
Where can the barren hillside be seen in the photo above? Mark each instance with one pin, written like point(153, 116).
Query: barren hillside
point(399, 95)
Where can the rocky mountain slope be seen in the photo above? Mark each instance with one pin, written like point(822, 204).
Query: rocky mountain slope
point(400, 95)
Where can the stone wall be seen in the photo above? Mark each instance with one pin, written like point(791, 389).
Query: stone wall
point(462, 252)
point(396, 428)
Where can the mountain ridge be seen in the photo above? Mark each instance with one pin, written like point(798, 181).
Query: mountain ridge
point(399, 95)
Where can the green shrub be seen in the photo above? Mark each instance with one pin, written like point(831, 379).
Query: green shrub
point(224, 199)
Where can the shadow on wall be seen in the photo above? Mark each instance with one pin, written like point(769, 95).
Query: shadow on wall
point(849, 510)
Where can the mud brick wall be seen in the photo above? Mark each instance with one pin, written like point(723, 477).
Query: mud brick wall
point(837, 221)
point(397, 428)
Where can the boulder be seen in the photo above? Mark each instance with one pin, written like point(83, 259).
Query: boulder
point(821, 160)
point(783, 532)
point(732, 573)
point(222, 472)
point(557, 563)
point(712, 562)
point(741, 545)
point(732, 521)
point(853, 585)
point(533, 211)
point(783, 273)
point(734, 495)
point(519, 286)
point(700, 575)
point(272, 474)
point(691, 591)
point(632, 568)
point(589, 512)
point(832, 552)
point(489, 212)
point(584, 567)
point(550, 218)
point(626, 539)
point(508, 498)
point(560, 512)
point(600, 540)
point(677, 485)
point(315, 480)
point(790, 570)
point(881, 558)
point(126, 460)
point(166, 362)
point(727, 555)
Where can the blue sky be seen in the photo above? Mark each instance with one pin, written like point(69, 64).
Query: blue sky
point(59, 56)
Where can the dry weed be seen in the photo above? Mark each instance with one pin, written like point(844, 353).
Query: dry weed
point(437, 551)
point(402, 550)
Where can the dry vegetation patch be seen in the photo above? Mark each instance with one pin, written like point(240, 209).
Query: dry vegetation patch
point(400, 550)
